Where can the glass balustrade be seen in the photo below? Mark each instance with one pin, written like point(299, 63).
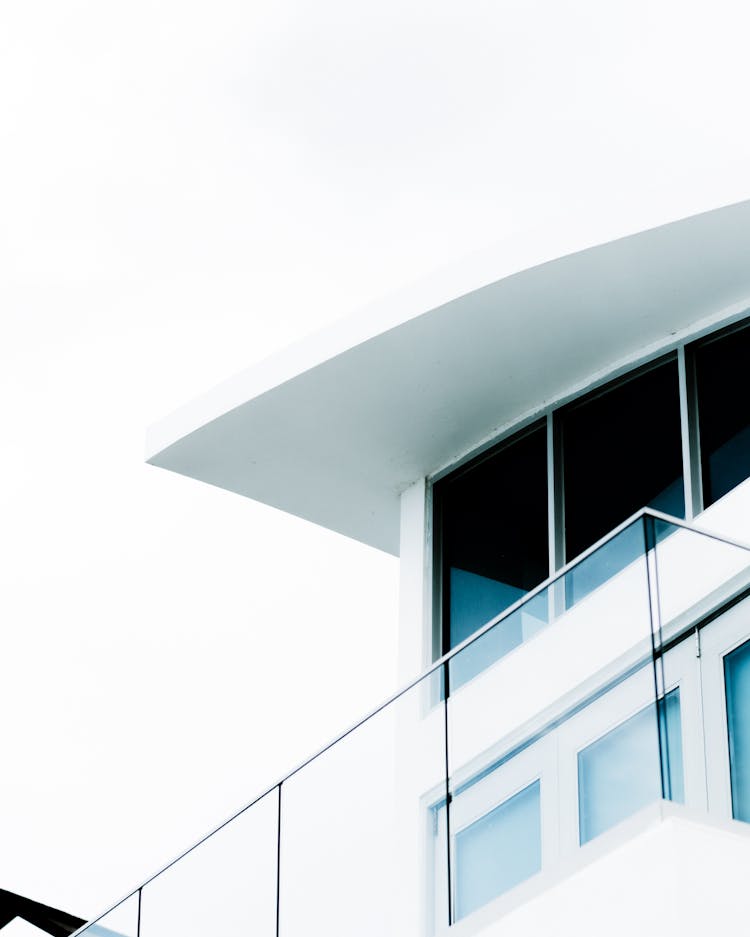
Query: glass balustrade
point(554, 727)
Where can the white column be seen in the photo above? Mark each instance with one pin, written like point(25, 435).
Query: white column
point(415, 590)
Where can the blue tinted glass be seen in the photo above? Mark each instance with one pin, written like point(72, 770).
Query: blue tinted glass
point(492, 533)
point(621, 451)
point(498, 851)
point(495, 643)
point(604, 563)
point(723, 415)
point(619, 773)
point(737, 680)
point(613, 557)
point(475, 600)
point(670, 728)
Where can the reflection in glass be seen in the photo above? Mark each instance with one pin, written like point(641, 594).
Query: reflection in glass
point(621, 451)
point(737, 682)
point(493, 537)
point(723, 414)
point(498, 641)
point(621, 772)
point(604, 563)
point(499, 850)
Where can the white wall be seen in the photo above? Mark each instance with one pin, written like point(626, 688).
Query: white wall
point(591, 643)
point(676, 874)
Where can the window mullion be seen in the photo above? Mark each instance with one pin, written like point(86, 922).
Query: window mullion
point(691, 463)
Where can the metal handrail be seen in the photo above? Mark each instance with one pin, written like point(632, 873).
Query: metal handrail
point(438, 664)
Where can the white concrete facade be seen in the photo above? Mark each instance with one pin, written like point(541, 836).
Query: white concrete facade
point(667, 870)
point(352, 429)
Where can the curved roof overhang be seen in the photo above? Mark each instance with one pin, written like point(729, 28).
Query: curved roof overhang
point(334, 428)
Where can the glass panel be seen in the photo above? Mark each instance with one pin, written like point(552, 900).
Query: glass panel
point(723, 414)
point(619, 773)
point(225, 886)
point(621, 451)
point(501, 849)
point(617, 565)
point(697, 575)
point(122, 921)
point(737, 681)
point(516, 628)
point(355, 822)
point(506, 726)
point(611, 558)
point(493, 535)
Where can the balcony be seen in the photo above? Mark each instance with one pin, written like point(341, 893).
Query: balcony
point(563, 767)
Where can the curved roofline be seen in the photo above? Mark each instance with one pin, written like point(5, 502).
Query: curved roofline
point(393, 382)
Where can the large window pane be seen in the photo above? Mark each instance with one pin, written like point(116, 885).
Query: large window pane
point(737, 679)
point(621, 451)
point(493, 537)
point(723, 413)
point(622, 771)
point(499, 850)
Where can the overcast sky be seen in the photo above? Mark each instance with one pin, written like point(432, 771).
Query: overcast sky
point(187, 187)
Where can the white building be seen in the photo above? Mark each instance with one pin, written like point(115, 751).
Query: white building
point(583, 765)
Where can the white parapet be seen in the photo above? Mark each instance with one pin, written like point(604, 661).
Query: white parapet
point(681, 874)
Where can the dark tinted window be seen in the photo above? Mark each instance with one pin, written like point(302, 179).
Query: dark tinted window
point(621, 451)
point(722, 372)
point(492, 535)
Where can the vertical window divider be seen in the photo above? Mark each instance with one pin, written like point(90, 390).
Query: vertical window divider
point(554, 559)
point(556, 503)
point(691, 469)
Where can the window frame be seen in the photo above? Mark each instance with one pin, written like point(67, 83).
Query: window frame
point(602, 390)
point(441, 584)
point(619, 704)
point(470, 800)
point(486, 782)
point(718, 639)
point(691, 351)
point(683, 351)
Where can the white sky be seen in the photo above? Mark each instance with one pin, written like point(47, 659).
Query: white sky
point(186, 187)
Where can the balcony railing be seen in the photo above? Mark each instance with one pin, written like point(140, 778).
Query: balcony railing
point(545, 730)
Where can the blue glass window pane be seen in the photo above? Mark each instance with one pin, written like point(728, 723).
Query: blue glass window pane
point(723, 414)
point(619, 773)
point(606, 562)
point(498, 851)
point(612, 558)
point(498, 641)
point(621, 450)
point(737, 682)
point(492, 537)
point(475, 600)
point(670, 727)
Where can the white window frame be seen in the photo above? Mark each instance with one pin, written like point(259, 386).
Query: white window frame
point(718, 639)
point(693, 662)
point(538, 762)
point(611, 710)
